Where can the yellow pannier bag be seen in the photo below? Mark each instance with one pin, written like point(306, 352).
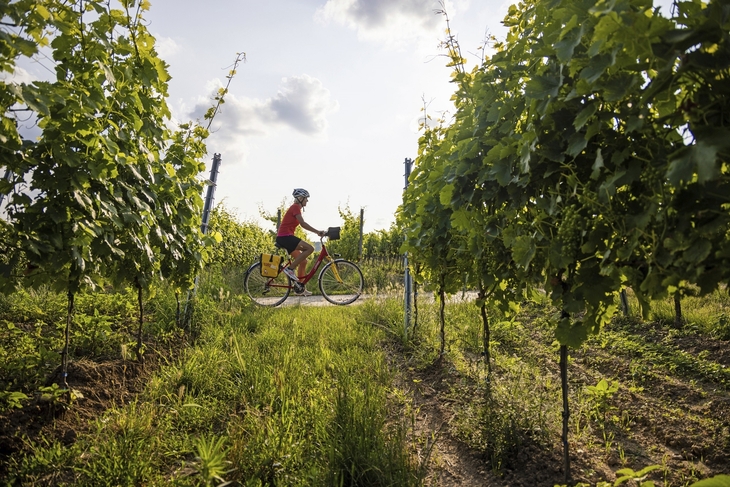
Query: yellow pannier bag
point(270, 265)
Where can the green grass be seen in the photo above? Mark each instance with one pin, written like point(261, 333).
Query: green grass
point(292, 396)
point(518, 404)
point(708, 315)
point(305, 395)
point(651, 359)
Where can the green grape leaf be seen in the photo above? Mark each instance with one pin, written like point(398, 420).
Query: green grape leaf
point(597, 67)
point(584, 115)
point(577, 143)
point(565, 47)
point(571, 333)
point(716, 481)
point(445, 194)
point(541, 87)
point(618, 87)
point(523, 250)
point(704, 155)
point(501, 171)
point(597, 165)
point(698, 252)
point(681, 167)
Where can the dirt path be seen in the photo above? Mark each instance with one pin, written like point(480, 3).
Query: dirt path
point(447, 461)
point(317, 300)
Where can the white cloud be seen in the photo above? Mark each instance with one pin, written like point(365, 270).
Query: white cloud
point(166, 47)
point(393, 22)
point(302, 103)
point(20, 75)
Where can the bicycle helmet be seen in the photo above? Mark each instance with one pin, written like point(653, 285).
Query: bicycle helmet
point(300, 193)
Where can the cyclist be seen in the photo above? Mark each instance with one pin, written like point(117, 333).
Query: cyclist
point(286, 239)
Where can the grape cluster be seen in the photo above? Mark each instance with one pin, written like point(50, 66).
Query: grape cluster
point(570, 230)
point(652, 175)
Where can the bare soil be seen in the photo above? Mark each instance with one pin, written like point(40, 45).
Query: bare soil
point(446, 459)
point(102, 385)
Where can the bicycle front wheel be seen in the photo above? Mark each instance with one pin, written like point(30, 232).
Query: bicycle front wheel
point(341, 282)
point(266, 291)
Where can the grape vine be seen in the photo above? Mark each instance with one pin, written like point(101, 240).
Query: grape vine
point(107, 194)
point(592, 147)
point(588, 154)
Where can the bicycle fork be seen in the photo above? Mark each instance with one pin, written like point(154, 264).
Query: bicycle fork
point(334, 270)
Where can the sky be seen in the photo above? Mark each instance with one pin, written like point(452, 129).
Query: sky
point(329, 98)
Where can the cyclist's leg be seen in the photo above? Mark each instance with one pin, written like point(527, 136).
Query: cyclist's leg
point(302, 269)
point(305, 250)
point(290, 244)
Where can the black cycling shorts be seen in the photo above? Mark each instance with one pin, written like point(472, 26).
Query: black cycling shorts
point(288, 242)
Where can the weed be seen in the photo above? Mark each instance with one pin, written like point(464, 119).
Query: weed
point(627, 474)
point(598, 397)
point(301, 396)
point(608, 438)
point(721, 328)
point(211, 459)
point(621, 455)
point(360, 444)
point(123, 451)
point(46, 463)
point(57, 397)
point(388, 316)
point(11, 400)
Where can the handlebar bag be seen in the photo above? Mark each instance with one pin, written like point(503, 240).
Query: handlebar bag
point(333, 233)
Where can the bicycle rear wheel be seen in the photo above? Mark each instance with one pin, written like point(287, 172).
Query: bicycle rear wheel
point(341, 282)
point(266, 291)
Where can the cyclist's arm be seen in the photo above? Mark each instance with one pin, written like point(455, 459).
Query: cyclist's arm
point(307, 226)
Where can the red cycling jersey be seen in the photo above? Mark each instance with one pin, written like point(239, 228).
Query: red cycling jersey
point(290, 223)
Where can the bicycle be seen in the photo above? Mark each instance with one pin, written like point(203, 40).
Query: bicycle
point(340, 281)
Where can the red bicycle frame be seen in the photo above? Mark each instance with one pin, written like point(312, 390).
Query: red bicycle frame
point(322, 256)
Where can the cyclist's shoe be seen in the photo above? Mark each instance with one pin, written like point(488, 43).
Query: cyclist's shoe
point(292, 275)
point(303, 293)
